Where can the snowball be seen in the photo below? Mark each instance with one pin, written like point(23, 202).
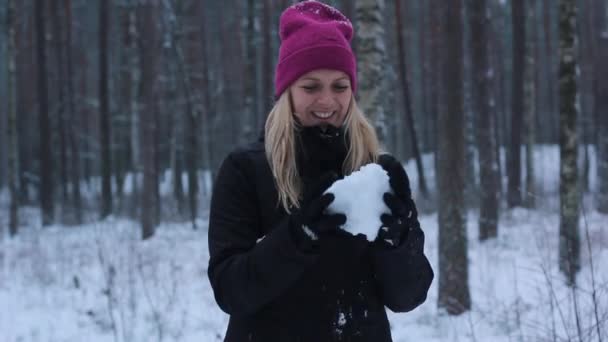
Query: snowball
point(359, 197)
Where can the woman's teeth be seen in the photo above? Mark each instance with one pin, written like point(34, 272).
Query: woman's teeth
point(323, 115)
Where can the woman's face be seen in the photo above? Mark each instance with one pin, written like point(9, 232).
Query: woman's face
point(321, 97)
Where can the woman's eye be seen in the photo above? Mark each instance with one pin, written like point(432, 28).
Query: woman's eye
point(309, 88)
point(340, 88)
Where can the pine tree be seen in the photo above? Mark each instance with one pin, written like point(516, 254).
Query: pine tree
point(569, 239)
point(484, 107)
point(46, 165)
point(104, 110)
point(517, 108)
point(150, 45)
point(454, 294)
point(13, 149)
point(601, 104)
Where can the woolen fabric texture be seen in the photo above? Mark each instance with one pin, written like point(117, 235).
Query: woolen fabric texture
point(275, 291)
point(313, 36)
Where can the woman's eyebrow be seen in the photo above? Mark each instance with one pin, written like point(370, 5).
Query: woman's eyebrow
point(318, 80)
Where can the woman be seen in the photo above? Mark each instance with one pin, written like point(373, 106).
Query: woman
point(279, 265)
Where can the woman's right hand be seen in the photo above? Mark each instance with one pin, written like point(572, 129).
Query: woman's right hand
point(310, 221)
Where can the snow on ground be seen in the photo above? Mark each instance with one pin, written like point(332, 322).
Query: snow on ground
point(77, 283)
point(99, 282)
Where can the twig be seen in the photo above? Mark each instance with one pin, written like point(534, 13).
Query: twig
point(155, 312)
point(593, 287)
point(554, 298)
point(108, 279)
point(576, 312)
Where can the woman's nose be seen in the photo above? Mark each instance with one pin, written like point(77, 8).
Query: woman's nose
point(325, 98)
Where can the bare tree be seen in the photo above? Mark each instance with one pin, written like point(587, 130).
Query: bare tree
point(76, 197)
point(483, 97)
point(406, 99)
point(191, 65)
point(13, 141)
point(530, 86)
point(601, 103)
point(46, 165)
point(569, 239)
point(59, 104)
point(517, 106)
point(436, 48)
point(150, 47)
point(454, 294)
point(550, 52)
point(371, 55)
point(104, 111)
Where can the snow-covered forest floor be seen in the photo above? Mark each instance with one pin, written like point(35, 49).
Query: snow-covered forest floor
point(100, 282)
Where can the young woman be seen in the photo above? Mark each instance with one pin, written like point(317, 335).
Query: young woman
point(279, 265)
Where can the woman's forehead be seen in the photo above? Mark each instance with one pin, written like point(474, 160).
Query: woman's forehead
point(324, 74)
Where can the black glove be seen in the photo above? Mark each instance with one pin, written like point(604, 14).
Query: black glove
point(309, 222)
point(401, 225)
point(397, 177)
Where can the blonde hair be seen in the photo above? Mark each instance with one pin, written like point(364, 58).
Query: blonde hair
point(280, 147)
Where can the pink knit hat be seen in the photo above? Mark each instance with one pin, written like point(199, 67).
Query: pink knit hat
point(313, 36)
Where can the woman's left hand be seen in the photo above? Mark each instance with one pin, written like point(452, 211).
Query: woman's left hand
point(402, 223)
point(394, 225)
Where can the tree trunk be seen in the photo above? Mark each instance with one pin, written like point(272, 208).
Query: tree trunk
point(371, 58)
point(551, 79)
point(497, 110)
point(26, 94)
point(569, 239)
point(122, 154)
point(150, 46)
point(529, 199)
point(454, 294)
point(483, 80)
point(407, 103)
point(13, 141)
point(194, 86)
point(514, 197)
point(601, 104)
point(436, 93)
point(425, 79)
point(46, 164)
point(104, 112)
point(134, 109)
point(60, 106)
point(76, 198)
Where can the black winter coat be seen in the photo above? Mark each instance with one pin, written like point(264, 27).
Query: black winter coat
point(274, 292)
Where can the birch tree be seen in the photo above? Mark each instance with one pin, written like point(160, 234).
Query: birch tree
point(371, 58)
